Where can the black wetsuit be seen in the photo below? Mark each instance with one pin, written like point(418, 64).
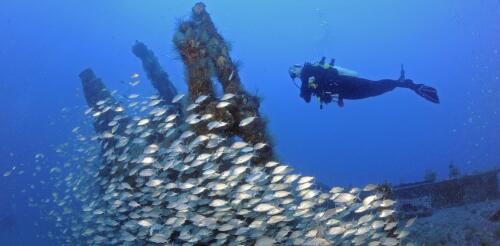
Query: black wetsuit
point(327, 82)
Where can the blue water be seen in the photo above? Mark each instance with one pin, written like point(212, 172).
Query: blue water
point(451, 45)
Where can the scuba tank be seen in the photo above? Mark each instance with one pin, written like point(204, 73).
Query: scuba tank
point(342, 71)
point(346, 71)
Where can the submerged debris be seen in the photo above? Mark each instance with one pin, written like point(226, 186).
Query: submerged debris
point(183, 180)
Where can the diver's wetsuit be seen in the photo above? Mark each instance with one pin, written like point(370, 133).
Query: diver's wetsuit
point(326, 82)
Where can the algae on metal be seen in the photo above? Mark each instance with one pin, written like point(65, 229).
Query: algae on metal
point(203, 48)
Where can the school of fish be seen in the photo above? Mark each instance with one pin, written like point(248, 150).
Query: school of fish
point(153, 180)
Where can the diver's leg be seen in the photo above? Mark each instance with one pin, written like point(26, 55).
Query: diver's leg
point(340, 102)
point(358, 88)
point(383, 86)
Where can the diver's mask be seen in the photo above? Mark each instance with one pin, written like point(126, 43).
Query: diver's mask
point(295, 71)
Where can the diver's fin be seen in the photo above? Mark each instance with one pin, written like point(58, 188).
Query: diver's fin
point(402, 76)
point(427, 92)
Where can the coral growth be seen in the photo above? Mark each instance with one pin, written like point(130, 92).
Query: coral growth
point(201, 48)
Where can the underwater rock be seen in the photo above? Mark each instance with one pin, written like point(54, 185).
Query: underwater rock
point(495, 217)
point(462, 225)
point(418, 207)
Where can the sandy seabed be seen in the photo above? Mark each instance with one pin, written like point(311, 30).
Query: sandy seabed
point(464, 225)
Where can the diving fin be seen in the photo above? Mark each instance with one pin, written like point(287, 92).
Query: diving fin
point(427, 92)
point(402, 76)
point(422, 90)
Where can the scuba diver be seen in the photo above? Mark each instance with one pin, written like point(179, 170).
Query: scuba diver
point(329, 82)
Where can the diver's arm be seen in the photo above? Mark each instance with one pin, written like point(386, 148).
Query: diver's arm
point(305, 92)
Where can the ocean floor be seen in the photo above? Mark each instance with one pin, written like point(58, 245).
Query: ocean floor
point(464, 225)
